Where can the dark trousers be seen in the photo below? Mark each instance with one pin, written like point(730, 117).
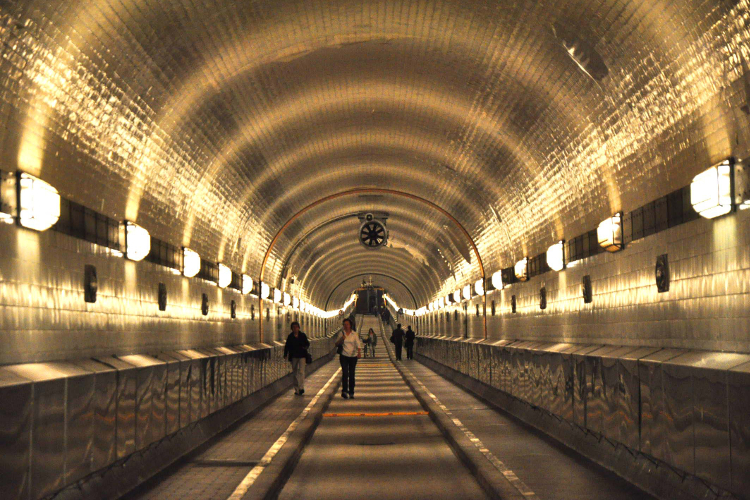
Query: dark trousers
point(348, 366)
point(398, 350)
point(410, 352)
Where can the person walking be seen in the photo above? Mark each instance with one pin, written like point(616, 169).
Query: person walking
point(373, 339)
point(351, 351)
point(409, 342)
point(397, 338)
point(295, 350)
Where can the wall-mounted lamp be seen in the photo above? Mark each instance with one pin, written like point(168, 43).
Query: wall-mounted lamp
point(247, 284)
point(556, 256)
point(137, 241)
point(295, 302)
point(265, 291)
point(497, 280)
point(39, 203)
point(441, 302)
point(479, 287)
point(466, 292)
point(277, 295)
point(225, 276)
point(521, 269)
point(191, 263)
point(287, 299)
point(457, 296)
point(721, 188)
point(609, 233)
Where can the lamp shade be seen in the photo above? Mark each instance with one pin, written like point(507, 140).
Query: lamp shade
point(556, 256)
point(497, 280)
point(247, 284)
point(711, 191)
point(609, 233)
point(137, 241)
point(225, 276)
point(39, 206)
point(191, 262)
point(295, 302)
point(287, 299)
point(522, 269)
point(277, 295)
point(479, 287)
point(466, 292)
point(265, 290)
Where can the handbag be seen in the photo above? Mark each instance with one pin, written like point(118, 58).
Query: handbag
point(308, 358)
point(340, 349)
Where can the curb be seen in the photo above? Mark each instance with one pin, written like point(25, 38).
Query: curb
point(274, 477)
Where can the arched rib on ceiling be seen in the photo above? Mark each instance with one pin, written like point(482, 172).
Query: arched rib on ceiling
point(171, 113)
point(395, 287)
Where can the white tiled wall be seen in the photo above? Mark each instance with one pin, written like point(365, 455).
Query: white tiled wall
point(43, 315)
point(707, 306)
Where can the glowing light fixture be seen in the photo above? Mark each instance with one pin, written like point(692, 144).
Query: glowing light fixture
point(287, 299)
point(711, 191)
point(441, 302)
point(522, 269)
point(265, 291)
point(277, 295)
point(39, 206)
point(466, 292)
point(247, 284)
point(497, 280)
point(191, 262)
point(479, 287)
point(609, 233)
point(556, 256)
point(225, 276)
point(137, 241)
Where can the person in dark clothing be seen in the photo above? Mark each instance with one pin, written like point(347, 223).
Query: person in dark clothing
point(409, 342)
point(295, 350)
point(398, 340)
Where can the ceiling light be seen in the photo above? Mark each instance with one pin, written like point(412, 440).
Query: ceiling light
point(556, 256)
point(247, 284)
point(711, 191)
point(191, 262)
point(137, 241)
point(497, 280)
point(39, 203)
point(225, 276)
point(479, 287)
point(522, 269)
point(265, 291)
point(467, 292)
point(609, 233)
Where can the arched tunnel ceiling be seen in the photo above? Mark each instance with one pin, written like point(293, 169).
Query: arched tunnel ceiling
point(212, 123)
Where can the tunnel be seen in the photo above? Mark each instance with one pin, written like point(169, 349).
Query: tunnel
point(517, 228)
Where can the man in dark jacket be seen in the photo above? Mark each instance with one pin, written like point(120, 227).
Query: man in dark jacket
point(409, 342)
point(295, 351)
point(398, 340)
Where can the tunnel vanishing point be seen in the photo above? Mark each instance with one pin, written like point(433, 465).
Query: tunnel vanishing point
point(552, 194)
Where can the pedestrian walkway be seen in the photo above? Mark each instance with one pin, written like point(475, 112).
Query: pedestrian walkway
point(214, 471)
point(381, 445)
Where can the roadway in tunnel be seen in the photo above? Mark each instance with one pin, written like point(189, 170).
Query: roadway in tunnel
point(381, 445)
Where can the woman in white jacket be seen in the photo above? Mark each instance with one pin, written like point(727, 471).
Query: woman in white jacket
point(350, 353)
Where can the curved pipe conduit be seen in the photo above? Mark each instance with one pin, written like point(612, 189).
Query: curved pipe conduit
point(392, 192)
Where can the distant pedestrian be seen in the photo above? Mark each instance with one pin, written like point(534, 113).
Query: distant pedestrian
point(397, 338)
point(295, 350)
point(351, 351)
point(409, 342)
point(373, 341)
